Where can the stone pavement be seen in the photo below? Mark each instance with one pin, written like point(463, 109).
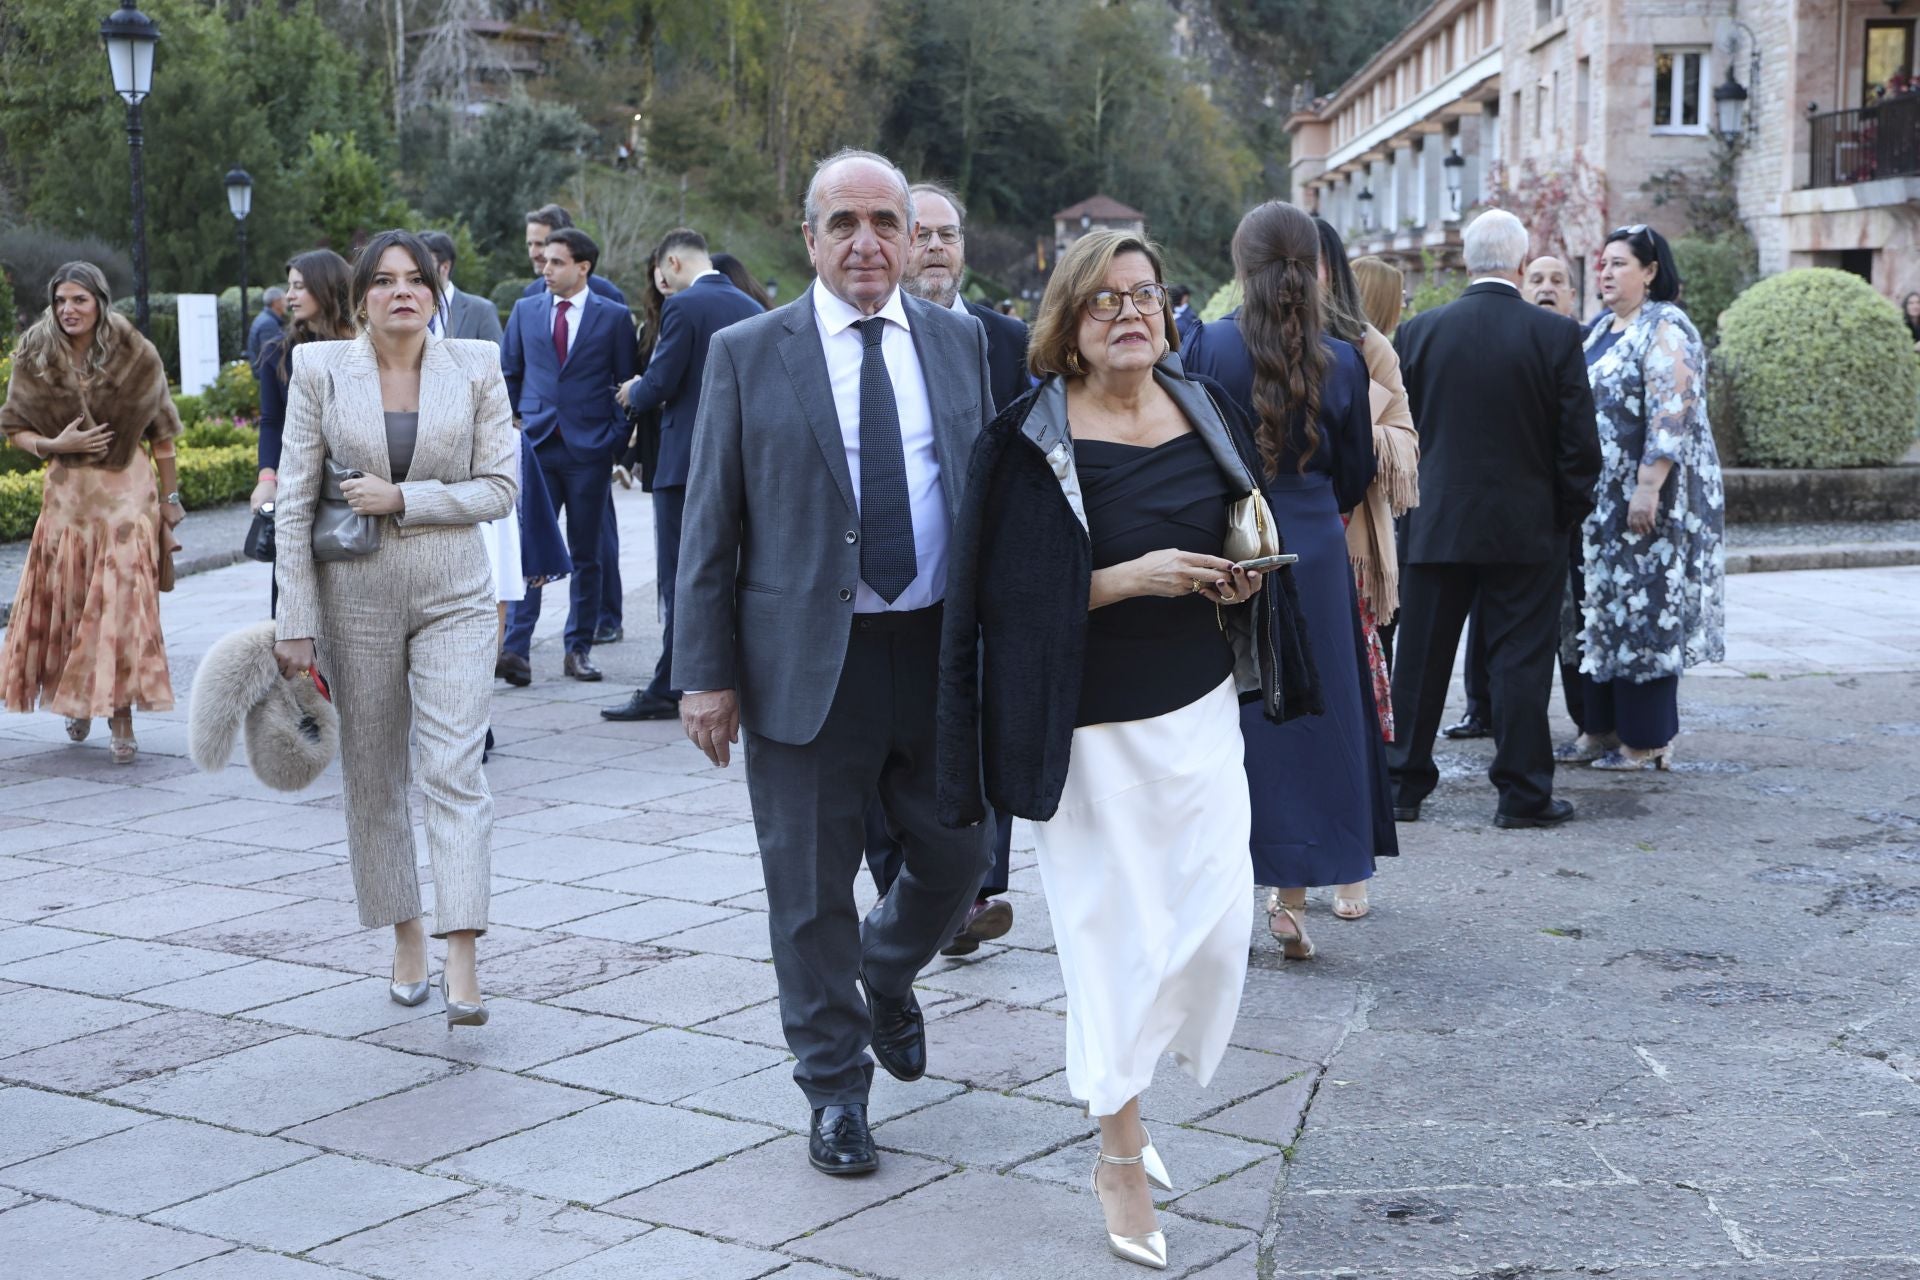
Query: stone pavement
point(1674, 1038)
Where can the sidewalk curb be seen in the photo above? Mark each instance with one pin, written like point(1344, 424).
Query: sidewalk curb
point(1849, 555)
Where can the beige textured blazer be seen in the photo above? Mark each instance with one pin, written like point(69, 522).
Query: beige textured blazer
point(466, 459)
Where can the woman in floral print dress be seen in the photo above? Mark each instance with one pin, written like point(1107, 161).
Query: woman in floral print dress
point(1650, 588)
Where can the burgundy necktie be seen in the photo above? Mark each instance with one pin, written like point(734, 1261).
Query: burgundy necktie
point(560, 331)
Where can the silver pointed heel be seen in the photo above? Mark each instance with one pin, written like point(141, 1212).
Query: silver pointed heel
point(408, 993)
point(1149, 1250)
point(1154, 1166)
point(461, 1013)
point(78, 728)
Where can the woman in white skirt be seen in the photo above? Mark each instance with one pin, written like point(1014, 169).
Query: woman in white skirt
point(1104, 642)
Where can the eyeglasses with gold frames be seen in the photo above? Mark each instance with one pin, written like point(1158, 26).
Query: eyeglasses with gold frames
point(1107, 304)
point(949, 234)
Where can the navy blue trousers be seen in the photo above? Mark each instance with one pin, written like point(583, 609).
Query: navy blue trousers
point(612, 605)
point(580, 492)
point(669, 505)
point(1644, 714)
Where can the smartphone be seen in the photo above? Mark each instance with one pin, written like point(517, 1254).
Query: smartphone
point(1264, 563)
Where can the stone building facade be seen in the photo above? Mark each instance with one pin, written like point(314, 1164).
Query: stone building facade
point(1569, 111)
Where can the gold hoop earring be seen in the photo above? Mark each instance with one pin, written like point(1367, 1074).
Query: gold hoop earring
point(361, 318)
point(1075, 365)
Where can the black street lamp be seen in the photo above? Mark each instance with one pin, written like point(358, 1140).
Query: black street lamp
point(1454, 170)
point(1366, 208)
point(129, 36)
point(1730, 108)
point(240, 201)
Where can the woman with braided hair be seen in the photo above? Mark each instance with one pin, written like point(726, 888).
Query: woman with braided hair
point(1321, 810)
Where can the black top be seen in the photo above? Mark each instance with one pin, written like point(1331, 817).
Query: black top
point(1151, 654)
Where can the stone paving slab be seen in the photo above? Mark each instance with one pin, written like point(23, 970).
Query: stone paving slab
point(1673, 1039)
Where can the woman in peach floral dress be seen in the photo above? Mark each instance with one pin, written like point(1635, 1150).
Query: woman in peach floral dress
point(88, 392)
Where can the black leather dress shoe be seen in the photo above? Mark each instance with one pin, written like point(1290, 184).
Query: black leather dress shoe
point(1555, 813)
point(838, 1142)
point(609, 635)
point(579, 666)
point(1406, 813)
point(643, 706)
point(899, 1033)
point(514, 669)
point(1469, 727)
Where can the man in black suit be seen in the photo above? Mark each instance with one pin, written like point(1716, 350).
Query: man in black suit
point(936, 268)
point(542, 223)
point(702, 303)
point(1508, 460)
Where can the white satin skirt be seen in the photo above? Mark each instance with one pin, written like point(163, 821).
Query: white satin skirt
point(503, 554)
point(1150, 886)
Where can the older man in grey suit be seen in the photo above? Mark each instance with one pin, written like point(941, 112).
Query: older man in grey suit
point(831, 444)
point(461, 314)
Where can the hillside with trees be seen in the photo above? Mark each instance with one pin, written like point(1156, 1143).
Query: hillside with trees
point(356, 114)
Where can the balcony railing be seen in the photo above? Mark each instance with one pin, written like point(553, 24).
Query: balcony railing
point(1880, 141)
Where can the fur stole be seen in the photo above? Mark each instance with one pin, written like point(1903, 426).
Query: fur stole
point(129, 394)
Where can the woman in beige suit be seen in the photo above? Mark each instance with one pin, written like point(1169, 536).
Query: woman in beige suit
point(405, 635)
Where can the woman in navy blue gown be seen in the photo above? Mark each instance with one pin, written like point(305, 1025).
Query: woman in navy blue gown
point(1321, 811)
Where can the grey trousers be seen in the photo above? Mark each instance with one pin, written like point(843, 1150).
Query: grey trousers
point(809, 806)
point(408, 646)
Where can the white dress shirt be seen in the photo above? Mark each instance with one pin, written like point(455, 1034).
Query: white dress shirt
point(959, 304)
point(844, 350)
point(1495, 280)
point(579, 301)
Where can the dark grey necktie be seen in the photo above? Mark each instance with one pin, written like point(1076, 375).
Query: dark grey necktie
point(886, 515)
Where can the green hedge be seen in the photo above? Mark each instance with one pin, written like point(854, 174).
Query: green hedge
point(1714, 271)
point(1815, 369)
point(208, 478)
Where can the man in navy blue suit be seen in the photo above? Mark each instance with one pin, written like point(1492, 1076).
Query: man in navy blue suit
point(541, 223)
point(565, 354)
point(702, 303)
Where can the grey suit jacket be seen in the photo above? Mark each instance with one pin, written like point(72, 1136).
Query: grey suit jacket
point(769, 546)
point(466, 456)
point(471, 316)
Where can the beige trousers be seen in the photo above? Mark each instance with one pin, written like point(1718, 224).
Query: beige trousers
point(407, 643)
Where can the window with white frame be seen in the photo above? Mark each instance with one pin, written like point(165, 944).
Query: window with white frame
point(1682, 100)
point(1545, 11)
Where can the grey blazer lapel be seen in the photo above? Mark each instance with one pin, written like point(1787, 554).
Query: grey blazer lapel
point(806, 363)
point(357, 434)
point(445, 407)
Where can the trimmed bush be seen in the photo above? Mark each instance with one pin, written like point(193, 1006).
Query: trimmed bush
point(1815, 369)
point(218, 433)
point(208, 477)
point(1713, 272)
point(234, 394)
point(1224, 299)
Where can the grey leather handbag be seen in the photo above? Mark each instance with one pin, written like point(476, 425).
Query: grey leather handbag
point(339, 533)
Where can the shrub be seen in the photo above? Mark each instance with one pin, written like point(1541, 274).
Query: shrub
point(234, 394)
point(1437, 287)
point(1817, 370)
point(505, 294)
point(218, 433)
point(208, 477)
point(1224, 299)
point(32, 254)
point(7, 318)
point(1714, 270)
point(190, 408)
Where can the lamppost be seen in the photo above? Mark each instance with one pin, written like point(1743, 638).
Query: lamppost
point(1366, 208)
point(129, 36)
point(240, 201)
point(1454, 169)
